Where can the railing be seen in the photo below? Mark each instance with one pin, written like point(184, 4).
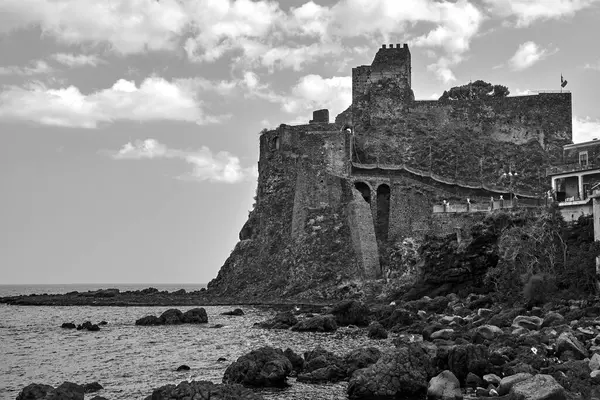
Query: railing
point(487, 207)
point(564, 168)
point(550, 91)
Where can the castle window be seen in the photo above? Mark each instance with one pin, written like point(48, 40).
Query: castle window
point(383, 212)
point(275, 143)
point(583, 158)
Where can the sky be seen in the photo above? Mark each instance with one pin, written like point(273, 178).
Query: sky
point(130, 127)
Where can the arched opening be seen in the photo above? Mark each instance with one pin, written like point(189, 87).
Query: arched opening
point(364, 190)
point(276, 143)
point(383, 213)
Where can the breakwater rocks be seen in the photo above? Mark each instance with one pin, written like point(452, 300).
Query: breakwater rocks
point(65, 391)
point(174, 316)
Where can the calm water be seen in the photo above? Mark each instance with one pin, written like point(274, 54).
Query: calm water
point(16, 290)
point(130, 360)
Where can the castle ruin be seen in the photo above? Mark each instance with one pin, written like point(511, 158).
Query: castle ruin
point(331, 194)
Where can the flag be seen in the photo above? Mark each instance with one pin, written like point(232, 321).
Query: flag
point(563, 82)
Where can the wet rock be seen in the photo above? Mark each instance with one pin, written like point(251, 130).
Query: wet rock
point(103, 323)
point(68, 325)
point(360, 358)
point(183, 368)
point(172, 316)
point(376, 331)
point(282, 320)
point(444, 386)
point(266, 366)
point(295, 359)
point(236, 312)
point(467, 358)
point(87, 325)
point(538, 387)
point(92, 387)
point(98, 398)
point(399, 372)
point(509, 381)
point(321, 358)
point(319, 323)
point(568, 342)
point(351, 312)
point(221, 359)
point(528, 322)
point(473, 380)
point(203, 390)
point(399, 316)
point(34, 391)
point(216, 326)
point(330, 373)
point(149, 320)
point(194, 316)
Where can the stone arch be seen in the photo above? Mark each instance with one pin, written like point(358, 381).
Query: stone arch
point(364, 189)
point(276, 143)
point(382, 223)
point(347, 128)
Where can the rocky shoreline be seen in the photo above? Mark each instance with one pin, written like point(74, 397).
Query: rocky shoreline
point(443, 348)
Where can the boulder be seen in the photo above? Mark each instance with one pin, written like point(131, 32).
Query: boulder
point(87, 325)
point(361, 358)
point(296, 360)
point(65, 391)
point(538, 387)
point(444, 386)
point(443, 334)
point(236, 312)
point(331, 373)
point(195, 316)
point(530, 322)
point(376, 331)
point(399, 372)
point(399, 316)
point(266, 366)
point(183, 368)
point(92, 387)
point(203, 390)
point(318, 323)
point(282, 320)
point(172, 316)
point(552, 319)
point(321, 358)
point(509, 381)
point(34, 391)
point(149, 320)
point(568, 342)
point(351, 312)
point(463, 359)
point(595, 362)
point(488, 332)
point(68, 325)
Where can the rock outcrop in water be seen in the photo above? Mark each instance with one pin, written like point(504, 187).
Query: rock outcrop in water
point(174, 316)
point(266, 366)
point(203, 390)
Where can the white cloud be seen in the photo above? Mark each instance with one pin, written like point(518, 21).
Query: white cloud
point(527, 11)
point(594, 66)
point(528, 54)
point(314, 92)
point(442, 69)
point(154, 99)
point(585, 129)
point(206, 166)
point(76, 60)
point(37, 67)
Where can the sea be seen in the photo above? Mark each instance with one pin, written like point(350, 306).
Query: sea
point(129, 361)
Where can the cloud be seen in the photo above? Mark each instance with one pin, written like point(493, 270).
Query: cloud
point(37, 67)
point(526, 11)
point(76, 60)
point(314, 92)
point(594, 66)
point(528, 54)
point(442, 69)
point(519, 92)
point(154, 99)
point(206, 166)
point(585, 129)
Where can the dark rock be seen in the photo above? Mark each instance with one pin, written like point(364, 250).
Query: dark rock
point(351, 312)
point(92, 387)
point(400, 372)
point(473, 381)
point(103, 323)
point(463, 359)
point(221, 359)
point(68, 325)
point(87, 325)
point(98, 398)
point(236, 312)
point(203, 390)
point(296, 360)
point(149, 320)
point(568, 342)
point(263, 367)
point(320, 358)
point(509, 381)
point(35, 391)
point(376, 331)
point(195, 316)
point(217, 326)
point(183, 368)
point(444, 386)
point(282, 320)
point(172, 316)
point(399, 316)
point(331, 373)
point(360, 358)
point(319, 323)
point(528, 322)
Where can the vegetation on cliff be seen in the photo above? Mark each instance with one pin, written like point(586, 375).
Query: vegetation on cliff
point(475, 90)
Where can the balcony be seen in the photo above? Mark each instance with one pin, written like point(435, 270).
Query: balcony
point(574, 167)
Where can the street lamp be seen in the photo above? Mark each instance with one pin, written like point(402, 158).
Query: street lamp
point(511, 176)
